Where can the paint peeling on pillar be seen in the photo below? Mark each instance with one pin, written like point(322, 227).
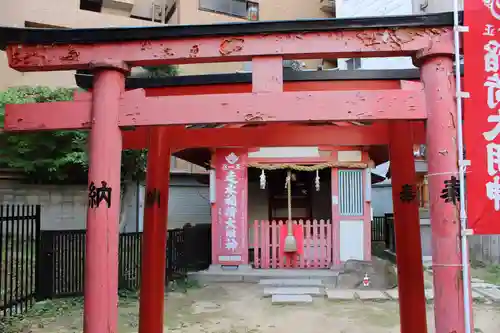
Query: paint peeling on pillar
point(168, 51)
point(146, 45)
point(26, 58)
point(73, 55)
point(258, 117)
point(193, 52)
point(231, 45)
point(396, 38)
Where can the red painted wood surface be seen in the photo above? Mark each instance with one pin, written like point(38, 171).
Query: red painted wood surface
point(298, 233)
point(236, 88)
point(316, 246)
point(267, 74)
point(335, 218)
point(232, 195)
point(151, 309)
point(277, 135)
point(437, 75)
point(481, 133)
point(412, 302)
point(40, 116)
point(309, 45)
point(101, 250)
point(214, 212)
point(138, 110)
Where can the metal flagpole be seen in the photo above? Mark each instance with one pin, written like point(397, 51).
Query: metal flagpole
point(463, 164)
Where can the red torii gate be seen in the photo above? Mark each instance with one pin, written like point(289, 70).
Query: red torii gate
point(109, 109)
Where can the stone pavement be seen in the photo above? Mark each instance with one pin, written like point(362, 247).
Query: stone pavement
point(303, 291)
point(480, 292)
point(489, 291)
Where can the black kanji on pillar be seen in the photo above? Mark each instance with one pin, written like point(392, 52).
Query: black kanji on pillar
point(99, 194)
point(451, 190)
point(153, 197)
point(408, 193)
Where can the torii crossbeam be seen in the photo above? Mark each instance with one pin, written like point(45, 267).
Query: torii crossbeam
point(385, 115)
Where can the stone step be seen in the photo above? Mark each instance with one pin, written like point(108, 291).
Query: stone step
point(350, 295)
point(492, 294)
point(341, 294)
point(292, 282)
point(291, 299)
point(372, 295)
point(312, 291)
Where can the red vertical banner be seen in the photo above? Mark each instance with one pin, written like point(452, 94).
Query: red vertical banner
point(231, 188)
point(482, 114)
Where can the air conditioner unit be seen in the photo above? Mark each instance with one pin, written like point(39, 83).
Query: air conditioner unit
point(158, 11)
point(125, 5)
point(152, 9)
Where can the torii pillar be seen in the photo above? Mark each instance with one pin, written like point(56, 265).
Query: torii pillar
point(153, 262)
point(411, 288)
point(103, 215)
point(442, 156)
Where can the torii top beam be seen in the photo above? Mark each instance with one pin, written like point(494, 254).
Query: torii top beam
point(207, 136)
point(68, 49)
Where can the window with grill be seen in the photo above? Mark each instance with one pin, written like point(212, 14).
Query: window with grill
point(238, 8)
point(351, 192)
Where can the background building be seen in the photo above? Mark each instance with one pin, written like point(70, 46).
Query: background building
point(112, 13)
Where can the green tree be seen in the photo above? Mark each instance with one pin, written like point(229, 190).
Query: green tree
point(60, 157)
point(160, 71)
point(53, 156)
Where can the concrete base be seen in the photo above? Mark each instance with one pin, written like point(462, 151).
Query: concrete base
point(393, 294)
point(312, 291)
point(222, 268)
point(371, 295)
point(216, 273)
point(340, 295)
point(291, 299)
point(304, 282)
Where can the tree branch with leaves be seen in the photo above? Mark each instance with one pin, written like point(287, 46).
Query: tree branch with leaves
point(53, 157)
point(60, 157)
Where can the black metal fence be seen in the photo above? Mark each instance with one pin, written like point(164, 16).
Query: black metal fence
point(378, 229)
point(42, 264)
point(62, 263)
point(62, 259)
point(19, 240)
point(383, 231)
point(390, 236)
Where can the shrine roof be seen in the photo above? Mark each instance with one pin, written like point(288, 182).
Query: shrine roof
point(84, 79)
point(13, 35)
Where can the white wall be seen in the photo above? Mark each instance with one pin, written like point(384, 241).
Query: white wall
point(360, 8)
point(434, 6)
point(382, 199)
point(285, 152)
point(65, 207)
